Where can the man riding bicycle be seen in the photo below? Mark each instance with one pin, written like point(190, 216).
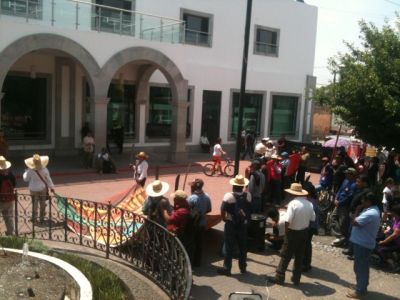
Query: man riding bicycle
point(217, 153)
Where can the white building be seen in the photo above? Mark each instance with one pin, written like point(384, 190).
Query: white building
point(164, 70)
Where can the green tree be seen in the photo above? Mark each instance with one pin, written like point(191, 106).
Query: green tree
point(366, 92)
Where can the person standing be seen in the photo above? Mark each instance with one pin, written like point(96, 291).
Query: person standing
point(88, 150)
point(235, 212)
point(249, 144)
point(217, 153)
point(256, 187)
point(301, 171)
point(274, 171)
point(366, 224)
point(299, 214)
point(205, 143)
point(156, 207)
point(140, 168)
point(3, 145)
point(38, 177)
point(201, 201)
point(7, 195)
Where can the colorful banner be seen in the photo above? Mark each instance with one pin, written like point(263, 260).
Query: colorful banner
point(90, 219)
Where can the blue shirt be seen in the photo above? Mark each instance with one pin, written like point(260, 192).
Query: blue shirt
point(346, 191)
point(365, 234)
point(315, 224)
point(203, 203)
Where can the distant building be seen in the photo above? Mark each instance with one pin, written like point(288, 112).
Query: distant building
point(164, 70)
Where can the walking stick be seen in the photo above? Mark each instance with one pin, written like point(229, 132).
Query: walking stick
point(186, 175)
point(178, 177)
point(157, 172)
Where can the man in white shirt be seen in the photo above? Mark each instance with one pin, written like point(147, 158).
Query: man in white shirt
point(140, 168)
point(299, 214)
point(205, 143)
point(38, 177)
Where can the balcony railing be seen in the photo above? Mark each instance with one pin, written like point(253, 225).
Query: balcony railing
point(195, 37)
point(84, 15)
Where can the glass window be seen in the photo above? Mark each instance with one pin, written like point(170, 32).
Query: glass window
point(108, 19)
point(266, 41)
point(252, 108)
point(197, 29)
point(24, 111)
point(31, 9)
point(160, 113)
point(284, 115)
point(121, 109)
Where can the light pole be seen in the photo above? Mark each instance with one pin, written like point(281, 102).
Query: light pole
point(243, 84)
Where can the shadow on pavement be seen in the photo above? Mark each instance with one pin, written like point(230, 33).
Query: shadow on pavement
point(315, 289)
point(203, 292)
point(325, 275)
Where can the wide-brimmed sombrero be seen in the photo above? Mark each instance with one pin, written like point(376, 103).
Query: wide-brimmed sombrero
point(142, 155)
point(157, 188)
point(296, 189)
point(4, 164)
point(37, 162)
point(239, 180)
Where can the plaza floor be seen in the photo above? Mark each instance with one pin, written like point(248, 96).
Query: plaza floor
point(332, 274)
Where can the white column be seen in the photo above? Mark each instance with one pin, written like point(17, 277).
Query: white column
point(142, 123)
point(99, 120)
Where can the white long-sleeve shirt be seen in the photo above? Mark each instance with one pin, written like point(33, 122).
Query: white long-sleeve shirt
point(141, 170)
point(35, 183)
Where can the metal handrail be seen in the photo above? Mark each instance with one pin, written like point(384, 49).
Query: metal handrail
point(140, 242)
point(127, 10)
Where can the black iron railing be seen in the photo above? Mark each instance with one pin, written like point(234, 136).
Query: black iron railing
point(145, 245)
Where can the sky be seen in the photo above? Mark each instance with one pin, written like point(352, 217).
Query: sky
point(338, 22)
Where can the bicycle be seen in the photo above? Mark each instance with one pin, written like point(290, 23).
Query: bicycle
point(326, 199)
point(228, 169)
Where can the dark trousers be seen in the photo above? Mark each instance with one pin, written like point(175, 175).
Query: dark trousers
point(276, 191)
point(341, 221)
point(235, 234)
point(308, 250)
point(301, 173)
point(198, 246)
point(248, 150)
point(293, 245)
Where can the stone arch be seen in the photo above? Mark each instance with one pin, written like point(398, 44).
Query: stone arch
point(30, 43)
point(153, 59)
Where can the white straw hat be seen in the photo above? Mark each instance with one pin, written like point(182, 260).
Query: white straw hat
point(37, 162)
point(157, 188)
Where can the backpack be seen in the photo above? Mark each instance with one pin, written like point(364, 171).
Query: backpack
point(194, 218)
point(240, 204)
point(6, 191)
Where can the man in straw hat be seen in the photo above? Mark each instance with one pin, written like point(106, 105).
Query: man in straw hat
point(157, 207)
point(299, 214)
point(235, 212)
point(7, 196)
point(38, 177)
point(140, 168)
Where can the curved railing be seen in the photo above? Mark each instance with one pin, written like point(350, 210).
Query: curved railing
point(145, 245)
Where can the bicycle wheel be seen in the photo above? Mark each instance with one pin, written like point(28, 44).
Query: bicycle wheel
point(208, 169)
point(229, 170)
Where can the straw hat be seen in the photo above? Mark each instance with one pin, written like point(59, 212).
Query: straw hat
point(296, 189)
point(4, 164)
point(179, 195)
point(157, 188)
point(37, 162)
point(239, 180)
point(142, 155)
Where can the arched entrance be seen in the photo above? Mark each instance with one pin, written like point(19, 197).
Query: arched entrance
point(49, 64)
point(151, 60)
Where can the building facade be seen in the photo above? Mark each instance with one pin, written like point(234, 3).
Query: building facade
point(159, 73)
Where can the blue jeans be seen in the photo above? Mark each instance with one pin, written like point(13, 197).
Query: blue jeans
point(361, 267)
point(235, 234)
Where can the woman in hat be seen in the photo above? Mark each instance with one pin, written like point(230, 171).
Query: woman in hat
point(235, 212)
point(7, 196)
point(157, 207)
point(140, 168)
point(38, 177)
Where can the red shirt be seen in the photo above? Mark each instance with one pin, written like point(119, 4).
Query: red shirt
point(178, 220)
point(274, 169)
point(294, 164)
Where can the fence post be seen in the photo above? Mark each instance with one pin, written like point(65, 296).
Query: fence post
point(49, 198)
point(95, 225)
point(108, 229)
point(80, 221)
point(66, 219)
point(16, 212)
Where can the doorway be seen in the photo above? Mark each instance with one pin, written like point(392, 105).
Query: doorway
point(210, 120)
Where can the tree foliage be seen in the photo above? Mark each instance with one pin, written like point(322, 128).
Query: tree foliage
point(366, 93)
